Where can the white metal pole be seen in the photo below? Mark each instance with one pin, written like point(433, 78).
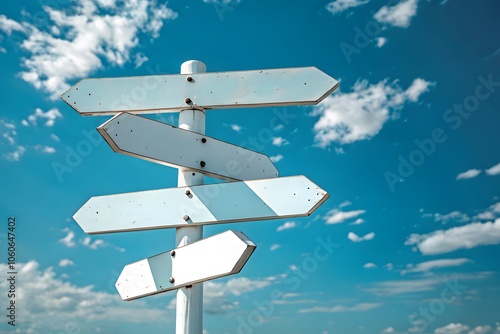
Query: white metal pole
point(189, 312)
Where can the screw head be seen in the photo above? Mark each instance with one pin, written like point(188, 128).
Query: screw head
point(189, 79)
point(202, 163)
point(171, 280)
point(186, 217)
point(203, 140)
point(188, 100)
point(172, 253)
point(187, 192)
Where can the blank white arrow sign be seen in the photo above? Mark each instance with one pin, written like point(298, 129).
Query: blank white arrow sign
point(218, 256)
point(165, 144)
point(213, 90)
point(284, 197)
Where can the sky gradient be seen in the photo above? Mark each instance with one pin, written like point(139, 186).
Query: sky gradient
point(407, 148)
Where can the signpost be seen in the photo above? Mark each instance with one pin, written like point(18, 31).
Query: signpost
point(259, 194)
point(216, 90)
point(284, 197)
point(140, 137)
point(214, 257)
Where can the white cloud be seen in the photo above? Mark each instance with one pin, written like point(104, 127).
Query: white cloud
point(48, 301)
point(339, 6)
point(344, 204)
point(381, 41)
point(78, 40)
point(369, 265)
point(218, 297)
point(279, 141)
point(462, 237)
point(389, 266)
point(417, 88)
point(66, 263)
point(453, 328)
point(276, 158)
point(236, 127)
point(456, 216)
point(87, 242)
point(434, 264)
point(495, 170)
point(45, 149)
point(357, 221)
point(361, 114)
point(274, 247)
point(336, 216)
point(481, 330)
point(340, 308)
point(398, 15)
point(355, 238)
point(8, 26)
point(390, 288)
point(68, 240)
point(388, 330)
point(55, 137)
point(50, 116)
point(286, 226)
point(489, 214)
point(140, 59)
point(471, 173)
point(16, 154)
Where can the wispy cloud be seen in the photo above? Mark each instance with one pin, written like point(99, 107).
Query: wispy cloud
point(462, 237)
point(434, 264)
point(276, 158)
point(274, 247)
point(66, 263)
point(489, 214)
point(495, 170)
point(453, 328)
point(361, 114)
point(69, 239)
point(236, 127)
point(369, 265)
point(339, 6)
point(341, 308)
point(471, 173)
point(279, 141)
point(355, 238)
point(286, 226)
point(336, 216)
point(50, 117)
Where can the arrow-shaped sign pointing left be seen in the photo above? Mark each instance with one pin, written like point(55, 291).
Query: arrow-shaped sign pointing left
point(165, 144)
point(218, 256)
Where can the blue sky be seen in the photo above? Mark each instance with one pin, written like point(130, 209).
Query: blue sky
point(407, 147)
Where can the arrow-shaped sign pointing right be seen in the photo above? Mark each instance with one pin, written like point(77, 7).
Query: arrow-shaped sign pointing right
point(218, 256)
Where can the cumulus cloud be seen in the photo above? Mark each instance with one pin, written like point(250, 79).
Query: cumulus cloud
point(435, 264)
point(471, 173)
point(463, 237)
point(361, 114)
point(48, 301)
point(87, 242)
point(336, 216)
point(287, 226)
point(369, 265)
point(399, 15)
point(49, 117)
point(355, 238)
point(495, 170)
point(77, 41)
point(339, 6)
point(489, 214)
